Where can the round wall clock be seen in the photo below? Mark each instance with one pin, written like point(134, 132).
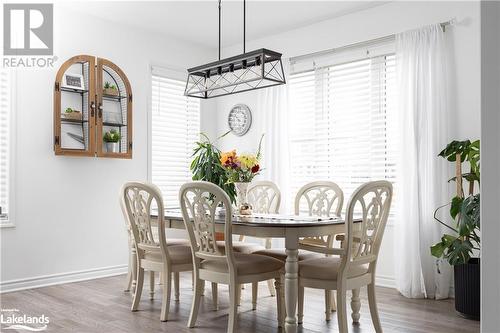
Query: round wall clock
point(239, 119)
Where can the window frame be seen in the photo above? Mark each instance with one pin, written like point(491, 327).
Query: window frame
point(11, 217)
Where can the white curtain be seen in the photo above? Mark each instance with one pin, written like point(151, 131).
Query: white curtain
point(273, 104)
point(421, 58)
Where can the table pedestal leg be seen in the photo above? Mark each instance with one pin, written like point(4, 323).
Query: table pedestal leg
point(291, 283)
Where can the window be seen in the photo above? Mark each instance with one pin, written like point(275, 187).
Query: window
point(343, 123)
point(6, 84)
point(175, 127)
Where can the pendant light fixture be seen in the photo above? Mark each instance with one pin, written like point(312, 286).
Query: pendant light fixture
point(248, 71)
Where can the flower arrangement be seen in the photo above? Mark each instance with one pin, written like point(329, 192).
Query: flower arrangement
point(241, 168)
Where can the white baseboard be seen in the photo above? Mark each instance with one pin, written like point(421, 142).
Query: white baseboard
point(385, 281)
point(49, 280)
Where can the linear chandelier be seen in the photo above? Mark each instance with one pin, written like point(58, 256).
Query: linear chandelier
point(257, 69)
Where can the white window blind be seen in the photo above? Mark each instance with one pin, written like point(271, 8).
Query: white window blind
point(343, 123)
point(5, 109)
point(175, 127)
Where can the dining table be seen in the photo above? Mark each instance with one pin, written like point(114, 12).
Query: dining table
point(291, 228)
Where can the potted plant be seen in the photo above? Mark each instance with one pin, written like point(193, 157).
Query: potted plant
point(112, 139)
point(70, 113)
point(461, 247)
point(207, 166)
point(110, 89)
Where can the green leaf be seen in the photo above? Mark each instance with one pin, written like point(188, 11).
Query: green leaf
point(456, 206)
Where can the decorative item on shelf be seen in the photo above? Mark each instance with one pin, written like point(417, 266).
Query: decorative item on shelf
point(110, 89)
point(462, 246)
point(72, 114)
point(241, 169)
point(248, 71)
point(239, 119)
point(112, 139)
point(73, 81)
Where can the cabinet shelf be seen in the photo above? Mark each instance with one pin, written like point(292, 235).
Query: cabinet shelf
point(113, 98)
point(72, 90)
point(73, 121)
point(105, 123)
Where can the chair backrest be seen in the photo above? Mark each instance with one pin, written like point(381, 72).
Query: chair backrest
point(320, 198)
point(137, 200)
point(264, 196)
point(199, 201)
point(371, 203)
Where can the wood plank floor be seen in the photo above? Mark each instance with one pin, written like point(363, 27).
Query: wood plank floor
point(101, 306)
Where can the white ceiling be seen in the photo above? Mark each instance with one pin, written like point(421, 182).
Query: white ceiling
point(196, 21)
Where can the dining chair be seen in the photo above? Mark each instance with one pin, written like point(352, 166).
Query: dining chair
point(323, 199)
point(199, 201)
point(152, 251)
point(352, 266)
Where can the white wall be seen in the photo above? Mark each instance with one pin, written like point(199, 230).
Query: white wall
point(365, 25)
point(490, 164)
point(68, 217)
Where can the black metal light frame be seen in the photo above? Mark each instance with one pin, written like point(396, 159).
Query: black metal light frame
point(248, 71)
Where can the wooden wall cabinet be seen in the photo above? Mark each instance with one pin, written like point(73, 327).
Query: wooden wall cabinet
point(83, 114)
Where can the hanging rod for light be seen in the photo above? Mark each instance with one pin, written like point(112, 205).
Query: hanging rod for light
point(248, 71)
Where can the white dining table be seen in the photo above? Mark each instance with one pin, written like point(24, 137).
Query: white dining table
point(289, 227)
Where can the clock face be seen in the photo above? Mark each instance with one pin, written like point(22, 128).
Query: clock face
point(240, 119)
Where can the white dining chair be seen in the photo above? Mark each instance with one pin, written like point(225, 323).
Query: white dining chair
point(323, 199)
point(354, 265)
point(152, 252)
point(199, 201)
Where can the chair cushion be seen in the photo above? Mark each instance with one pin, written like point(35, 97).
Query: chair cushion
point(177, 241)
point(327, 268)
point(179, 254)
point(280, 254)
point(242, 247)
point(246, 264)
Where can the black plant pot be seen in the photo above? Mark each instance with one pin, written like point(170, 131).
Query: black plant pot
point(467, 289)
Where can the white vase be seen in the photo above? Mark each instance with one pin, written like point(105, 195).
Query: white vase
point(113, 147)
point(242, 205)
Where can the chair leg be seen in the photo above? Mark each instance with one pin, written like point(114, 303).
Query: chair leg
point(255, 291)
point(372, 301)
point(280, 301)
point(341, 310)
point(134, 269)
point(167, 289)
point(151, 284)
point(334, 301)
point(138, 289)
point(176, 287)
point(355, 306)
point(195, 305)
point(328, 304)
point(270, 286)
point(238, 295)
point(234, 291)
point(215, 296)
point(128, 284)
point(300, 306)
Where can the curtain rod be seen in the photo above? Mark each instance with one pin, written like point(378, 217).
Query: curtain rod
point(359, 44)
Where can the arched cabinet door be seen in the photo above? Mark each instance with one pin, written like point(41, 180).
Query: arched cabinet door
point(74, 107)
point(114, 111)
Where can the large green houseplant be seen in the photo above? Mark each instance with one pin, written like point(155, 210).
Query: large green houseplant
point(461, 246)
point(207, 166)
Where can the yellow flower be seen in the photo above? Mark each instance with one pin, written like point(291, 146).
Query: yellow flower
point(248, 161)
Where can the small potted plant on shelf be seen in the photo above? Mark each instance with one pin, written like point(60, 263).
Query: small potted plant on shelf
point(112, 139)
point(110, 89)
point(70, 113)
point(461, 247)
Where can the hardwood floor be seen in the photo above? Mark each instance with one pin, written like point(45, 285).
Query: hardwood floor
point(101, 306)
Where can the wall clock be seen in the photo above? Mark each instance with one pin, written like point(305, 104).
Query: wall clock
point(239, 119)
